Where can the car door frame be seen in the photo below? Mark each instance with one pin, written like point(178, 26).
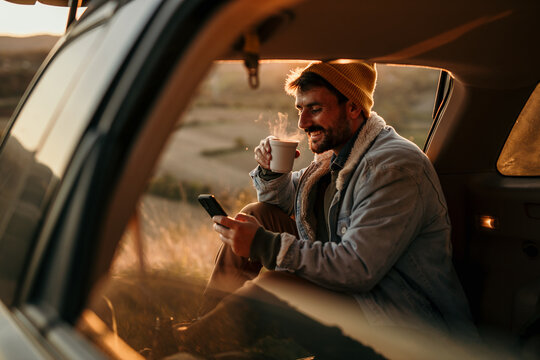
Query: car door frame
point(114, 160)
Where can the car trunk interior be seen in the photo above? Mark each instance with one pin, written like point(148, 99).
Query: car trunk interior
point(484, 47)
point(495, 220)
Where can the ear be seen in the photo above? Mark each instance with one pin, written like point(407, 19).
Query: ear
point(354, 111)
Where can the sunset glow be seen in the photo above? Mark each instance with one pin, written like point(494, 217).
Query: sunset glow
point(27, 20)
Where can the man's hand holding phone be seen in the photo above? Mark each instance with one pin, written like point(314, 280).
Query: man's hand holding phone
point(238, 232)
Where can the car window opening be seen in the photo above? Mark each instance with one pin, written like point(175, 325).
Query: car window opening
point(520, 155)
point(169, 247)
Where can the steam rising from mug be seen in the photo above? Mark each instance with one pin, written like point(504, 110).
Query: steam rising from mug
point(279, 127)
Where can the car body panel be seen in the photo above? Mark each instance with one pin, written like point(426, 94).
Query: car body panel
point(15, 342)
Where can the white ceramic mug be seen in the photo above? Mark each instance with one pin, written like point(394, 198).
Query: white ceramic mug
point(283, 155)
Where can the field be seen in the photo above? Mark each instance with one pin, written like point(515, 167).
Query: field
point(216, 137)
point(19, 60)
point(146, 296)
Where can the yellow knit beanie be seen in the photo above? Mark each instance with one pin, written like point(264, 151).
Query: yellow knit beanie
point(355, 79)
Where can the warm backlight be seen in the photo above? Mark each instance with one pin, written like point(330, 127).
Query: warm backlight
point(488, 222)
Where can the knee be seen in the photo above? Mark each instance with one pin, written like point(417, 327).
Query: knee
point(259, 210)
point(271, 217)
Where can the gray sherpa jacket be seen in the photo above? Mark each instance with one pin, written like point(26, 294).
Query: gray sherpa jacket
point(390, 244)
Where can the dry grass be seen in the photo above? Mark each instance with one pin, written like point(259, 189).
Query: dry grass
point(177, 238)
point(179, 250)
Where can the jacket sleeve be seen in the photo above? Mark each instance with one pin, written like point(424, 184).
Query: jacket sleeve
point(279, 191)
point(386, 215)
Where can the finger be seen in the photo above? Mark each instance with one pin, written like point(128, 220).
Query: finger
point(217, 219)
point(297, 154)
point(226, 240)
point(247, 218)
point(267, 146)
point(243, 217)
point(259, 154)
point(262, 146)
point(262, 158)
point(268, 156)
point(222, 230)
point(225, 221)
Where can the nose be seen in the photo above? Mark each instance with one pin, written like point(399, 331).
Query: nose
point(304, 120)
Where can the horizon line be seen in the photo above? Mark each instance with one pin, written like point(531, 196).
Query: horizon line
point(18, 35)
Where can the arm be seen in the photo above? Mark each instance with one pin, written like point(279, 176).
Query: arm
point(386, 216)
point(279, 191)
point(273, 188)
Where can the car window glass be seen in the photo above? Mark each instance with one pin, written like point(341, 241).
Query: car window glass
point(17, 68)
point(75, 115)
point(25, 181)
point(49, 93)
point(50, 126)
point(521, 153)
point(167, 253)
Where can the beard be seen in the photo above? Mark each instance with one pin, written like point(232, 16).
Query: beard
point(332, 138)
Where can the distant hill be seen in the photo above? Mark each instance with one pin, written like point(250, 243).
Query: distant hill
point(20, 57)
point(12, 45)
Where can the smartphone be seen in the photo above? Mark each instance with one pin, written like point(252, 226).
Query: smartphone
point(211, 205)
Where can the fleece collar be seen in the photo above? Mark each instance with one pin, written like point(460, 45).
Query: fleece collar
point(369, 132)
point(371, 129)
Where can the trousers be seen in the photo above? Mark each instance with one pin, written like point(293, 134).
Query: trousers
point(232, 271)
point(240, 315)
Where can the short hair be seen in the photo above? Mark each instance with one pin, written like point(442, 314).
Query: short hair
point(309, 80)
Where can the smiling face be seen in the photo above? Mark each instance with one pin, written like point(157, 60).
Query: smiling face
point(328, 123)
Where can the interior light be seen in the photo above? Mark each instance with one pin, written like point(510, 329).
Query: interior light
point(488, 222)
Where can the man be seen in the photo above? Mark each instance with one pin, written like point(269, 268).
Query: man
point(370, 218)
point(366, 218)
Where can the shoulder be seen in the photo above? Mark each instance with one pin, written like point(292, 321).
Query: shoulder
point(391, 150)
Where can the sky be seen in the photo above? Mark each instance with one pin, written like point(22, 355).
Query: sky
point(25, 20)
